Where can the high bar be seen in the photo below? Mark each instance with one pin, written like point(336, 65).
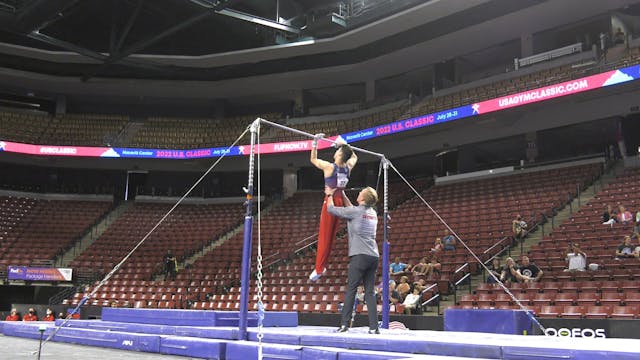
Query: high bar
point(300, 132)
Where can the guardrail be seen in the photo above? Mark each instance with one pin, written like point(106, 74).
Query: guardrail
point(548, 55)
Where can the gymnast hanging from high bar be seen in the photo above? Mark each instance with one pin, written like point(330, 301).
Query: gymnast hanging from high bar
point(336, 176)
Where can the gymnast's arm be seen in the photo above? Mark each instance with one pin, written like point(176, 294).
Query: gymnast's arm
point(351, 163)
point(319, 163)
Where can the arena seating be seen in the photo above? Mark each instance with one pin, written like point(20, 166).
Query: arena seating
point(34, 229)
point(23, 127)
point(187, 230)
point(611, 291)
point(183, 133)
point(83, 129)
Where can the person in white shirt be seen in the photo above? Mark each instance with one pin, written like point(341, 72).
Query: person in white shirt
point(576, 258)
point(411, 301)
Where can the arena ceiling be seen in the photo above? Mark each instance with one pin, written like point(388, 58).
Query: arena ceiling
point(179, 39)
point(199, 50)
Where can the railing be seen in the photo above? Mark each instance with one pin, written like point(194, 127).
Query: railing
point(548, 55)
point(433, 298)
point(461, 280)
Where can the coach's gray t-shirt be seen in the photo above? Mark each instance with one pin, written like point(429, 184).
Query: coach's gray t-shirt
point(362, 225)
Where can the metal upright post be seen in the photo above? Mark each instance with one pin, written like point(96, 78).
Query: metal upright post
point(385, 248)
point(246, 249)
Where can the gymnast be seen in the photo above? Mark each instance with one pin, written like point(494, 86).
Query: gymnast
point(336, 176)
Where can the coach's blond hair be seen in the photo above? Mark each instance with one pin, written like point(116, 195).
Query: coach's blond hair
point(370, 196)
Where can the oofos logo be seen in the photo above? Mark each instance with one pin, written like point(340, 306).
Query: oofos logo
point(576, 332)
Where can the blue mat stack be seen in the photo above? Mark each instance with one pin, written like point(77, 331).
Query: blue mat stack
point(214, 335)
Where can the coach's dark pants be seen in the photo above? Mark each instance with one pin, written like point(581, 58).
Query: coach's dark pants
point(362, 270)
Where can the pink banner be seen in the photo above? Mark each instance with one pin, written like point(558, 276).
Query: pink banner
point(56, 150)
point(545, 93)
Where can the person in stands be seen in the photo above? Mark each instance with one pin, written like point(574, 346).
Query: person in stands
point(529, 271)
point(170, 266)
point(576, 258)
point(625, 250)
point(49, 316)
point(397, 267)
point(13, 316)
point(30, 316)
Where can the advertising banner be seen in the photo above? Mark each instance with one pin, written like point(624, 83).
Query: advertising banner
point(39, 274)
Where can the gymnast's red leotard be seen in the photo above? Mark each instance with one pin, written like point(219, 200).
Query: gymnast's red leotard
point(329, 223)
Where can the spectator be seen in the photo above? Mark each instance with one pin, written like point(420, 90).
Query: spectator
point(13, 316)
point(636, 251)
point(61, 315)
point(49, 316)
point(618, 37)
point(411, 301)
point(624, 216)
point(30, 316)
point(170, 266)
point(433, 269)
point(394, 295)
point(420, 268)
point(576, 258)
point(529, 271)
point(495, 269)
point(437, 246)
point(360, 295)
point(608, 217)
point(403, 287)
point(509, 273)
point(625, 250)
point(397, 267)
point(518, 227)
point(636, 229)
point(448, 241)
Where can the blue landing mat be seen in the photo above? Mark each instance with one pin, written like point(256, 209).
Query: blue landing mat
point(196, 317)
point(194, 347)
point(230, 333)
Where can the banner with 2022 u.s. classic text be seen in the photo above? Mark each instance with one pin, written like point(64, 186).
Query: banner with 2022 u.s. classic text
point(39, 274)
point(576, 86)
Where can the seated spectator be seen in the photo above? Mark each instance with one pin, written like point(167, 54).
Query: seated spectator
point(625, 250)
point(49, 316)
point(397, 267)
point(403, 287)
point(13, 316)
point(529, 271)
point(420, 268)
point(420, 283)
point(437, 246)
point(433, 268)
point(411, 301)
point(62, 316)
point(576, 258)
point(636, 228)
point(448, 241)
point(495, 269)
point(509, 273)
point(624, 216)
point(518, 227)
point(30, 316)
point(636, 251)
point(608, 217)
point(394, 295)
point(359, 295)
point(618, 37)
